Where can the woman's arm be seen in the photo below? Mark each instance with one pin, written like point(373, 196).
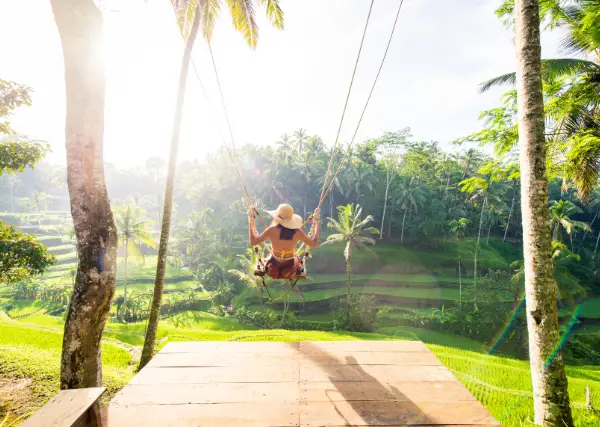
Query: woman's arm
point(255, 238)
point(312, 241)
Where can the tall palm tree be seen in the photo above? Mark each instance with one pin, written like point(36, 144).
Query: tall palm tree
point(411, 195)
point(560, 219)
point(549, 380)
point(482, 189)
point(308, 167)
point(300, 139)
point(12, 182)
point(354, 231)
point(132, 233)
point(79, 24)
point(193, 16)
point(459, 227)
point(573, 90)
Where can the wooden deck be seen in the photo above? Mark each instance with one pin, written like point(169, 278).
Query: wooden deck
point(259, 384)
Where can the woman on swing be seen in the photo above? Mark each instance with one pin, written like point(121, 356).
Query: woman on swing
point(284, 233)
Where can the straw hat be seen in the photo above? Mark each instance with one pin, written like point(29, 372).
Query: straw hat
point(285, 216)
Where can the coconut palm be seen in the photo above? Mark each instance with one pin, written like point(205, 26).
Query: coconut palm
point(560, 219)
point(572, 89)
point(354, 232)
point(132, 233)
point(550, 385)
point(194, 16)
point(459, 227)
point(300, 139)
point(411, 195)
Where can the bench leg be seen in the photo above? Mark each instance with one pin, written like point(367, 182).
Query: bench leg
point(95, 416)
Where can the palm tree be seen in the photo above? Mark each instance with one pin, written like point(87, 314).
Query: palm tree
point(354, 232)
point(132, 232)
point(550, 388)
point(560, 219)
point(483, 189)
point(410, 196)
point(37, 201)
point(459, 227)
point(300, 139)
point(308, 168)
point(79, 24)
point(193, 16)
point(571, 84)
point(285, 147)
point(12, 182)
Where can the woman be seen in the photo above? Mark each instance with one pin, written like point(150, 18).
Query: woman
point(284, 233)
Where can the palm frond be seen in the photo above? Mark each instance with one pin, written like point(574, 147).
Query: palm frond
point(583, 162)
point(551, 70)
point(505, 79)
point(244, 19)
point(274, 12)
point(363, 246)
point(209, 10)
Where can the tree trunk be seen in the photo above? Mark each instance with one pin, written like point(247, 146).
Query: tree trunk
point(388, 181)
point(550, 392)
point(488, 232)
point(389, 234)
point(79, 25)
point(586, 232)
point(477, 250)
point(459, 281)
point(12, 198)
point(150, 339)
point(402, 233)
point(349, 280)
point(125, 290)
point(305, 203)
point(512, 206)
point(596, 248)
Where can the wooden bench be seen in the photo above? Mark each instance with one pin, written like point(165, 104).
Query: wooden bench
point(69, 408)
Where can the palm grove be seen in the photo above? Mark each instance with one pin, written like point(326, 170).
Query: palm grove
point(539, 188)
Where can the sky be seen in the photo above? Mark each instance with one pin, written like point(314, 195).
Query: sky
point(296, 78)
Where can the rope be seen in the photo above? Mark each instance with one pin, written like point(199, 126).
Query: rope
point(368, 98)
point(345, 105)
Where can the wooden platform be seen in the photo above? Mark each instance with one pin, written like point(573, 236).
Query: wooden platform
point(259, 384)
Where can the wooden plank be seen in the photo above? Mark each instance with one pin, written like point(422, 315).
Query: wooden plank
point(393, 413)
point(271, 359)
point(412, 391)
point(370, 358)
point(219, 415)
point(228, 374)
point(231, 346)
point(377, 373)
point(356, 346)
point(67, 408)
point(171, 394)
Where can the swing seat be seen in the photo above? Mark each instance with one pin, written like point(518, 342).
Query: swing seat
point(294, 268)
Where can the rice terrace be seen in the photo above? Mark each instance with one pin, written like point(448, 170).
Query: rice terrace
point(275, 213)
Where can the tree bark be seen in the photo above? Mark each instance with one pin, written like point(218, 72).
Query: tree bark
point(512, 206)
point(79, 24)
point(550, 393)
point(150, 339)
point(477, 250)
point(388, 181)
point(402, 233)
point(125, 290)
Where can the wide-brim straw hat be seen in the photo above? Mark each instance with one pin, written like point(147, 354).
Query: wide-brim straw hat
point(285, 216)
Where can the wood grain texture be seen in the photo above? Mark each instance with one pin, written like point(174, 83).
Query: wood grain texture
point(67, 409)
point(356, 383)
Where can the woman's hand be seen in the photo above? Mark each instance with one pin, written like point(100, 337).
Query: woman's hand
point(316, 216)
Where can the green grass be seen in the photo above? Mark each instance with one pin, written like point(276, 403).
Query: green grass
point(403, 278)
point(17, 308)
point(34, 353)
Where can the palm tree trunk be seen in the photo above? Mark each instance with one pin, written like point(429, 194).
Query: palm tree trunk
point(459, 281)
point(596, 248)
point(125, 291)
point(586, 232)
point(305, 202)
point(488, 232)
point(349, 280)
point(550, 391)
point(12, 198)
point(512, 206)
point(385, 199)
point(389, 234)
point(477, 250)
point(402, 234)
point(79, 25)
point(153, 319)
